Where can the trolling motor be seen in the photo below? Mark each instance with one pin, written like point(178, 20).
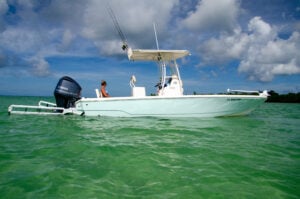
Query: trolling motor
point(67, 92)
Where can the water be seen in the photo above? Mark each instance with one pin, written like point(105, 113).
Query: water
point(257, 156)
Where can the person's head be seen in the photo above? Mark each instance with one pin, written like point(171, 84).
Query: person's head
point(103, 83)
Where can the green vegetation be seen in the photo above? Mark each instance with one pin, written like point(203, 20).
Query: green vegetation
point(274, 97)
point(283, 98)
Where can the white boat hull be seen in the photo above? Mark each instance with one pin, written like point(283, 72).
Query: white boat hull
point(182, 106)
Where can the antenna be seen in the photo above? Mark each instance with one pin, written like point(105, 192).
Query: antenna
point(118, 28)
point(155, 36)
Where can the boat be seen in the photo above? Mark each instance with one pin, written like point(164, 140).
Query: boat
point(170, 100)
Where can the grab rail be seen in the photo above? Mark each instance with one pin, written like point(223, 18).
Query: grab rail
point(47, 104)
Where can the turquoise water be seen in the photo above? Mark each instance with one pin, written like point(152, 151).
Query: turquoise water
point(257, 156)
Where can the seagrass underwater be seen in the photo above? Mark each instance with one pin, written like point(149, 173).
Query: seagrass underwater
point(255, 156)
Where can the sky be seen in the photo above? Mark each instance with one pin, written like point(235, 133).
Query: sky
point(236, 44)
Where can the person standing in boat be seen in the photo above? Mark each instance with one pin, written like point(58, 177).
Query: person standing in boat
point(103, 89)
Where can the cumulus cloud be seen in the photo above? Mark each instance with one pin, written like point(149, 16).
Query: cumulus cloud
point(21, 40)
point(39, 29)
point(261, 52)
point(45, 28)
point(139, 32)
point(273, 57)
point(225, 48)
point(39, 67)
point(260, 28)
point(213, 15)
point(67, 39)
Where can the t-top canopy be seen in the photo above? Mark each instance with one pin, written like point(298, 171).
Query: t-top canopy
point(156, 55)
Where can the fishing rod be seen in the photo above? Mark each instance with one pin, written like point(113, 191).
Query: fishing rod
point(118, 28)
point(154, 27)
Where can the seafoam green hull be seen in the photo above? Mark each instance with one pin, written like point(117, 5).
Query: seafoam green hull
point(182, 106)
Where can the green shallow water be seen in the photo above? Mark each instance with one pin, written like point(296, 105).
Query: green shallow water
point(257, 156)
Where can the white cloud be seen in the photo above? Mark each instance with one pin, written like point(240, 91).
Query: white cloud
point(40, 67)
point(39, 29)
point(21, 40)
point(213, 15)
point(225, 48)
point(261, 52)
point(135, 19)
point(67, 39)
point(47, 28)
point(258, 26)
point(44, 29)
point(109, 47)
point(260, 29)
point(278, 57)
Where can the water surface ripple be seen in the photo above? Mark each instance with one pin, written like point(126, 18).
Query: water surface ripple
point(257, 156)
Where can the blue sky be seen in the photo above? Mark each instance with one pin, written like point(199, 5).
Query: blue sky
point(237, 44)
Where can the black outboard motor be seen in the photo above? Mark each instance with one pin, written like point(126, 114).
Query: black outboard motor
point(67, 92)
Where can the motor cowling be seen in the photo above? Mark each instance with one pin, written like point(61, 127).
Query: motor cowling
point(67, 92)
